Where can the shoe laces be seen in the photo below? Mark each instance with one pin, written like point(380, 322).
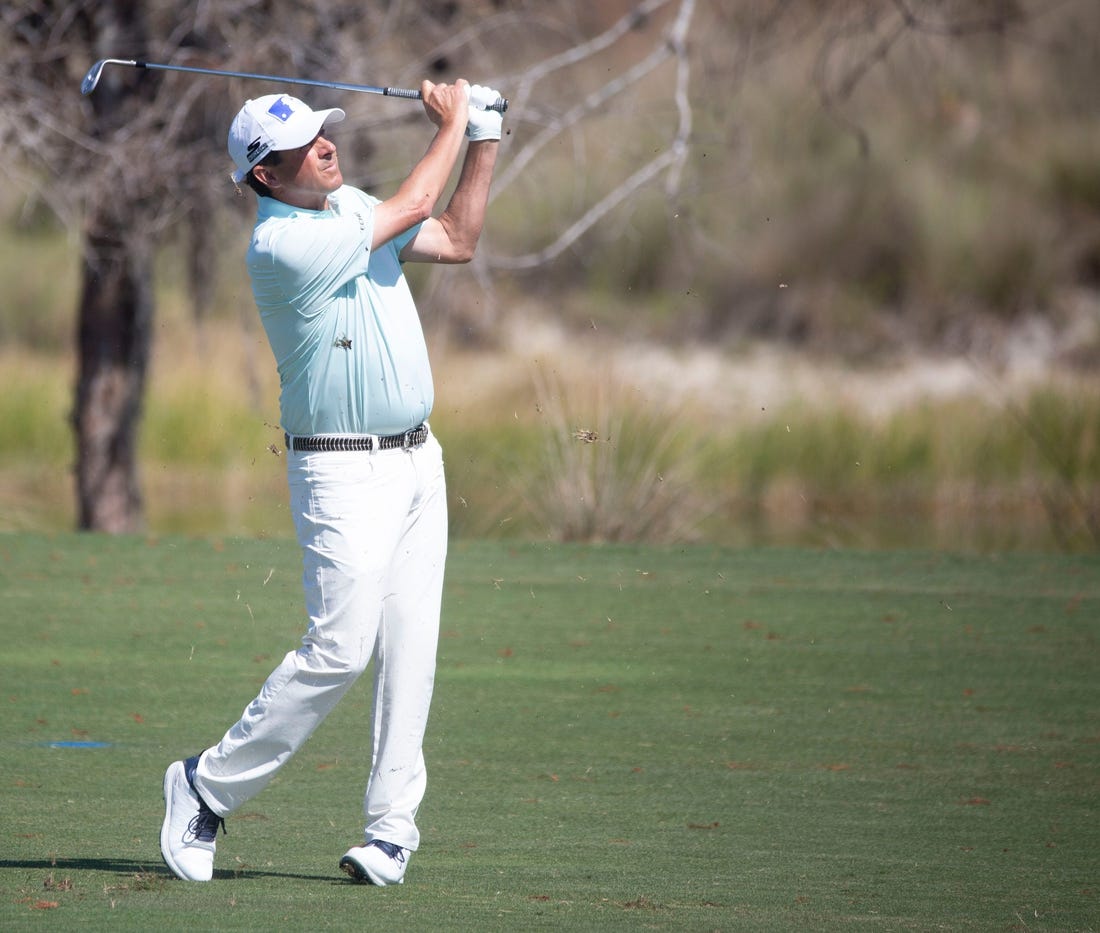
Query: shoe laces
point(391, 849)
point(204, 824)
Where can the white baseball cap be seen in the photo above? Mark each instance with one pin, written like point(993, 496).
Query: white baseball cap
point(274, 122)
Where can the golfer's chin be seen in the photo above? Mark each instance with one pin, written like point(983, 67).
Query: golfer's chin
point(332, 175)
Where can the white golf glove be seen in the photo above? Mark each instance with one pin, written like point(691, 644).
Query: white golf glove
point(483, 124)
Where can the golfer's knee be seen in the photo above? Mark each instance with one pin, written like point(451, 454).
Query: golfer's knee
point(323, 656)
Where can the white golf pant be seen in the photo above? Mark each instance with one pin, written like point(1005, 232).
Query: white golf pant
point(373, 531)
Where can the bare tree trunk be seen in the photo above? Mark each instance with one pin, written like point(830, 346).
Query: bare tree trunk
point(116, 297)
point(116, 309)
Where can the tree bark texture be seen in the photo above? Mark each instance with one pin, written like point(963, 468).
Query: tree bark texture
point(116, 310)
point(116, 296)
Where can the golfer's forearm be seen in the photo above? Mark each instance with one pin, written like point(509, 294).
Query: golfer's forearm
point(464, 216)
point(417, 196)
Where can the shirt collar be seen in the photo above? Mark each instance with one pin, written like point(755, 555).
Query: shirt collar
point(273, 207)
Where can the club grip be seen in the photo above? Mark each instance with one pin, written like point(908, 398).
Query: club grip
point(401, 92)
point(500, 104)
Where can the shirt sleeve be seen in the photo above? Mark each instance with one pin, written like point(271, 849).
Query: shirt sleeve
point(402, 240)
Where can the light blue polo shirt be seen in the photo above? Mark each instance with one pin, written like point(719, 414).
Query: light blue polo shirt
point(340, 319)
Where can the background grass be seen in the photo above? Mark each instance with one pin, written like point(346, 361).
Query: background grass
point(622, 737)
point(560, 449)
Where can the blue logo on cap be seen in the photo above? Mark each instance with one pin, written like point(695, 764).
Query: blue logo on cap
point(281, 110)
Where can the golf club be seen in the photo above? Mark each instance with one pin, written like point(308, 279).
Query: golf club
point(91, 79)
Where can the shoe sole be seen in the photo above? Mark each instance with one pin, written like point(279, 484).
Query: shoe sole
point(358, 873)
point(354, 870)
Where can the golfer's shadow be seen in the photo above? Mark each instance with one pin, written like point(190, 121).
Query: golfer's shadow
point(131, 869)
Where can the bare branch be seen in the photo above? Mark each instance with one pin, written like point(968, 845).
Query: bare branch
point(593, 103)
point(1006, 14)
point(673, 157)
point(529, 77)
point(591, 217)
point(678, 43)
point(831, 98)
point(834, 92)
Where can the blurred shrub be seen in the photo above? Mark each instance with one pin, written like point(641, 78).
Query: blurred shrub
point(34, 410)
point(39, 266)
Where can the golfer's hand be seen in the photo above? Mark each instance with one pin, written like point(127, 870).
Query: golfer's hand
point(445, 103)
point(482, 124)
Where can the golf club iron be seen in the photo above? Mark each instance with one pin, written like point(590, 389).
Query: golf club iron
point(91, 79)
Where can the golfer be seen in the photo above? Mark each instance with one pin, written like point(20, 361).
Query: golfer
point(365, 472)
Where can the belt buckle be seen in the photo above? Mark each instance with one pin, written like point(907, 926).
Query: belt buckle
point(404, 441)
point(393, 441)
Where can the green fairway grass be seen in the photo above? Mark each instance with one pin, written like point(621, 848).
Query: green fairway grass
point(622, 738)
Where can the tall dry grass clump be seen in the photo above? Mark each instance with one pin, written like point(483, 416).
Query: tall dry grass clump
point(610, 468)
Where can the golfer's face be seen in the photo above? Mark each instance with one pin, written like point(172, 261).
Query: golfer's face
point(309, 172)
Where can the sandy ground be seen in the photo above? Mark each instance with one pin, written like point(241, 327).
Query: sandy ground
point(743, 384)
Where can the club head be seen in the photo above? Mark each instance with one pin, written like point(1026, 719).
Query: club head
point(91, 79)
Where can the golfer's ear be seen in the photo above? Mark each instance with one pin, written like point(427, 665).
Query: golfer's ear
point(265, 176)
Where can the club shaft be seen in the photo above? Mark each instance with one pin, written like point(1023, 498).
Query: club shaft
point(406, 93)
point(333, 85)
